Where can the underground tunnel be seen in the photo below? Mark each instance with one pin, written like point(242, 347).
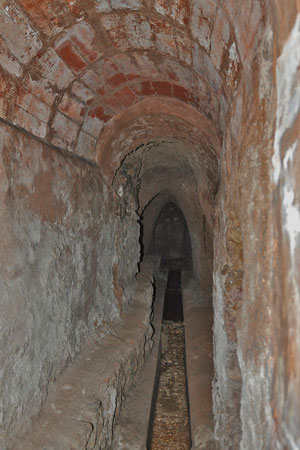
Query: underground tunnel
point(170, 427)
point(154, 174)
point(149, 209)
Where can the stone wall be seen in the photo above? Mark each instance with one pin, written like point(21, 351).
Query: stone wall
point(61, 241)
point(209, 94)
point(256, 301)
point(84, 401)
point(243, 256)
point(285, 311)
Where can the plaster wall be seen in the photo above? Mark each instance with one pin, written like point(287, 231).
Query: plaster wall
point(222, 82)
point(61, 241)
point(256, 282)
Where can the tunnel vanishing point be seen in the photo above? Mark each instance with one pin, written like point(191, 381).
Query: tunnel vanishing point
point(112, 111)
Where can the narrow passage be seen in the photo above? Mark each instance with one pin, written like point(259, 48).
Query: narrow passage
point(171, 428)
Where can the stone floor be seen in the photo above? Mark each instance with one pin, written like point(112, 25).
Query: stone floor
point(198, 317)
point(171, 420)
point(131, 426)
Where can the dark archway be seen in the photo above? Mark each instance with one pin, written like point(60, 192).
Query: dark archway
point(171, 238)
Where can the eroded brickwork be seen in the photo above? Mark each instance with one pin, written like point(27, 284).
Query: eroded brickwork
point(200, 98)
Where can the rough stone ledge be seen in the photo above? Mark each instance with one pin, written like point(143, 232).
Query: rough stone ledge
point(132, 425)
point(81, 407)
point(198, 318)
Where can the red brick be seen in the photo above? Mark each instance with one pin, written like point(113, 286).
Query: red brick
point(127, 96)
point(7, 89)
point(8, 61)
point(126, 4)
point(144, 88)
point(100, 114)
point(41, 16)
point(184, 46)
point(146, 67)
point(114, 101)
point(40, 89)
point(164, 36)
point(131, 30)
point(147, 88)
point(83, 36)
point(65, 129)
point(29, 122)
point(71, 108)
point(162, 7)
point(33, 105)
point(4, 105)
point(93, 125)
point(70, 56)
point(126, 64)
point(74, 8)
point(181, 93)
point(176, 9)
point(86, 145)
point(82, 92)
point(92, 80)
point(172, 76)
point(124, 97)
point(181, 12)
point(103, 6)
point(136, 89)
point(54, 70)
point(106, 68)
point(162, 88)
point(102, 91)
point(52, 16)
point(202, 18)
point(15, 30)
point(117, 80)
point(132, 76)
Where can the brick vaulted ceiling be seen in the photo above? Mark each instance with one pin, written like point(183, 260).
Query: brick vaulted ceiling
point(76, 73)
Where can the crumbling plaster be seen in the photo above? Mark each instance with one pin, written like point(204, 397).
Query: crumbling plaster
point(84, 84)
point(60, 239)
point(259, 315)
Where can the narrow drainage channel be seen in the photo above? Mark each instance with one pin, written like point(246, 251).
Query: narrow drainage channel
point(170, 426)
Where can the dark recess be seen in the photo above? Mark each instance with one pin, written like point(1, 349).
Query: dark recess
point(173, 299)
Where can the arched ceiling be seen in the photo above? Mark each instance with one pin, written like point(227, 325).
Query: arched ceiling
point(155, 119)
point(189, 177)
point(68, 67)
point(99, 78)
